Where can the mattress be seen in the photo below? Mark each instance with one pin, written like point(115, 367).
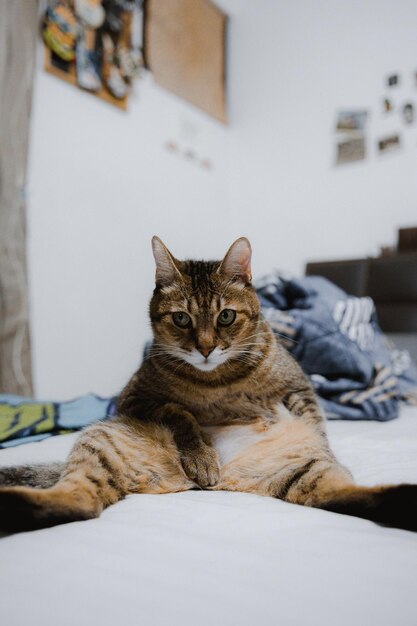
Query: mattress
point(229, 559)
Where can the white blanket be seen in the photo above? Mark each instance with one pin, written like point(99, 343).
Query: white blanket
point(224, 559)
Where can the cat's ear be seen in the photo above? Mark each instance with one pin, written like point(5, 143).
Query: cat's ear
point(236, 263)
point(166, 265)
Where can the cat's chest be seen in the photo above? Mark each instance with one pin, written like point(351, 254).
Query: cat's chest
point(237, 439)
point(234, 408)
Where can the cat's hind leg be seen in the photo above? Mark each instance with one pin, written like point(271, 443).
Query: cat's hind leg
point(293, 462)
point(108, 461)
point(323, 485)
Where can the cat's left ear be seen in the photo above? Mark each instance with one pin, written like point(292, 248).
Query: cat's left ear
point(237, 262)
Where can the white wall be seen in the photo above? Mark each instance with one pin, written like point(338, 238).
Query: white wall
point(101, 181)
point(293, 65)
point(101, 184)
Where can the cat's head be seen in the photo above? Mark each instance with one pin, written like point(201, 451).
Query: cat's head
point(204, 313)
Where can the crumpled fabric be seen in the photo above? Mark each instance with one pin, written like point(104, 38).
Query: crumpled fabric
point(356, 372)
point(23, 420)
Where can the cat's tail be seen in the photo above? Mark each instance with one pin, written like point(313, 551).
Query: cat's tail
point(40, 475)
point(392, 505)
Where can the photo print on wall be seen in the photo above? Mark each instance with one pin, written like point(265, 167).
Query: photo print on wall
point(408, 113)
point(388, 144)
point(393, 80)
point(351, 146)
point(350, 150)
point(388, 105)
point(351, 121)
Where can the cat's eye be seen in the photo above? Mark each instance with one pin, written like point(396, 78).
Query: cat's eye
point(226, 317)
point(181, 319)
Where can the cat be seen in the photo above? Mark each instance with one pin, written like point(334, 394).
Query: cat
point(218, 404)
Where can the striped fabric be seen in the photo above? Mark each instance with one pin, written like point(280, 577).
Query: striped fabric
point(353, 316)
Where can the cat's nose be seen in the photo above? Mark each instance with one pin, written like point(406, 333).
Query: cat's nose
point(206, 351)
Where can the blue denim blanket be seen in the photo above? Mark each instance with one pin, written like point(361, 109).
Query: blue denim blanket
point(339, 344)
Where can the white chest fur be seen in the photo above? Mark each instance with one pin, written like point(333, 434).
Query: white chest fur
point(231, 441)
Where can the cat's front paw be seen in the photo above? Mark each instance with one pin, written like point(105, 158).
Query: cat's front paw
point(201, 465)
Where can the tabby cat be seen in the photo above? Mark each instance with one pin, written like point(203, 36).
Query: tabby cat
point(217, 404)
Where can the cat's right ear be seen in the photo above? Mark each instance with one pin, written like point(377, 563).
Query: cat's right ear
point(166, 265)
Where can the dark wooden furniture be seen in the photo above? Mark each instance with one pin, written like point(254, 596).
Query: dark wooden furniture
point(407, 240)
point(390, 281)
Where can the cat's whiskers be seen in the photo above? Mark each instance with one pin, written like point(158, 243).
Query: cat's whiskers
point(168, 349)
point(181, 363)
point(166, 360)
point(246, 356)
point(248, 344)
point(245, 346)
point(260, 334)
point(158, 354)
point(165, 354)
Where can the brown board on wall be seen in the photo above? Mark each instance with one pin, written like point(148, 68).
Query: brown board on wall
point(184, 47)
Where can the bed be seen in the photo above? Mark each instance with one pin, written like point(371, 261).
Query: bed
point(232, 559)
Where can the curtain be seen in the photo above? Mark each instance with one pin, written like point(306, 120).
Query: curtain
point(18, 34)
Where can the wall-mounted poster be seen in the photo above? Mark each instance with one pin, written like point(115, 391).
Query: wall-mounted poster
point(184, 47)
point(93, 45)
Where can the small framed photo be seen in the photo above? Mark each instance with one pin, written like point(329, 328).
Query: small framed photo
point(388, 105)
point(390, 143)
point(351, 121)
point(350, 150)
point(408, 113)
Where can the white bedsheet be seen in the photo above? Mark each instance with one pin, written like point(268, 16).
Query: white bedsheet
point(222, 559)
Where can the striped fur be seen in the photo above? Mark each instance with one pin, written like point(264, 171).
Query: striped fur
point(41, 475)
point(222, 407)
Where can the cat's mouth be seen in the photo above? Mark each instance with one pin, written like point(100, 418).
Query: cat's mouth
point(197, 360)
